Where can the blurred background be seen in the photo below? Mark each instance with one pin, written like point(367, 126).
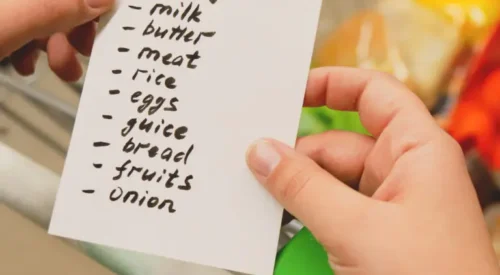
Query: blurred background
point(446, 51)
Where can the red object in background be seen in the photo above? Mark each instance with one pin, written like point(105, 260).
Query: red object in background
point(473, 127)
point(496, 153)
point(491, 93)
point(475, 122)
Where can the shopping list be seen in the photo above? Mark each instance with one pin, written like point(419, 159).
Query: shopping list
point(175, 93)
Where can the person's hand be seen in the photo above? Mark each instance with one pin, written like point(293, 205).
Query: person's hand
point(416, 211)
point(60, 27)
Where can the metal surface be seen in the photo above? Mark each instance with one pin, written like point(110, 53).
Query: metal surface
point(38, 96)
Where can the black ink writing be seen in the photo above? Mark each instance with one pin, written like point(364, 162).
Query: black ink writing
point(132, 197)
point(158, 79)
point(169, 59)
point(148, 126)
point(177, 33)
point(142, 134)
point(135, 7)
point(169, 179)
point(187, 183)
point(101, 144)
point(167, 154)
point(183, 13)
point(152, 104)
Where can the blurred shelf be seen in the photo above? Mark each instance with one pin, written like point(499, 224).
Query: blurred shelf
point(37, 114)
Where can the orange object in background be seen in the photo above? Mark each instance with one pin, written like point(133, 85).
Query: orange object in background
point(360, 41)
point(475, 122)
point(416, 45)
point(473, 126)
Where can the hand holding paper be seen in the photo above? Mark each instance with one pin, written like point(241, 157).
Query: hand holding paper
point(61, 28)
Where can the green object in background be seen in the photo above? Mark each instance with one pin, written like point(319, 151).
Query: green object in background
point(303, 255)
point(318, 120)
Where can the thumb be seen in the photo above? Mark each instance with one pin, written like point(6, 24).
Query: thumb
point(328, 207)
point(24, 20)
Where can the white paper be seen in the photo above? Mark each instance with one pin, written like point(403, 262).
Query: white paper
point(248, 83)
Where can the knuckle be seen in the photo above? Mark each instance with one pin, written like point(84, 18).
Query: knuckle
point(384, 76)
point(452, 145)
point(372, 173)
point(390, 79)
point(57, 11)
point(296, 181)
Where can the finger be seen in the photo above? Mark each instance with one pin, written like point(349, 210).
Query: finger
point(342, 154)
point(394, 115)
point(41, 43)
point(30, 19)
point(315, 197)
point(379, 98)
point(24, 59)
point(62, 58)
point(82, 37)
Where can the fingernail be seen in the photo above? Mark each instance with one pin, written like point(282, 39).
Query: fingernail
point(263, 158)
point(96, 4)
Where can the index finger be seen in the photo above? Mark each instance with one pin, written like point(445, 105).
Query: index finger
point(25, 20)
point(379, 98)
